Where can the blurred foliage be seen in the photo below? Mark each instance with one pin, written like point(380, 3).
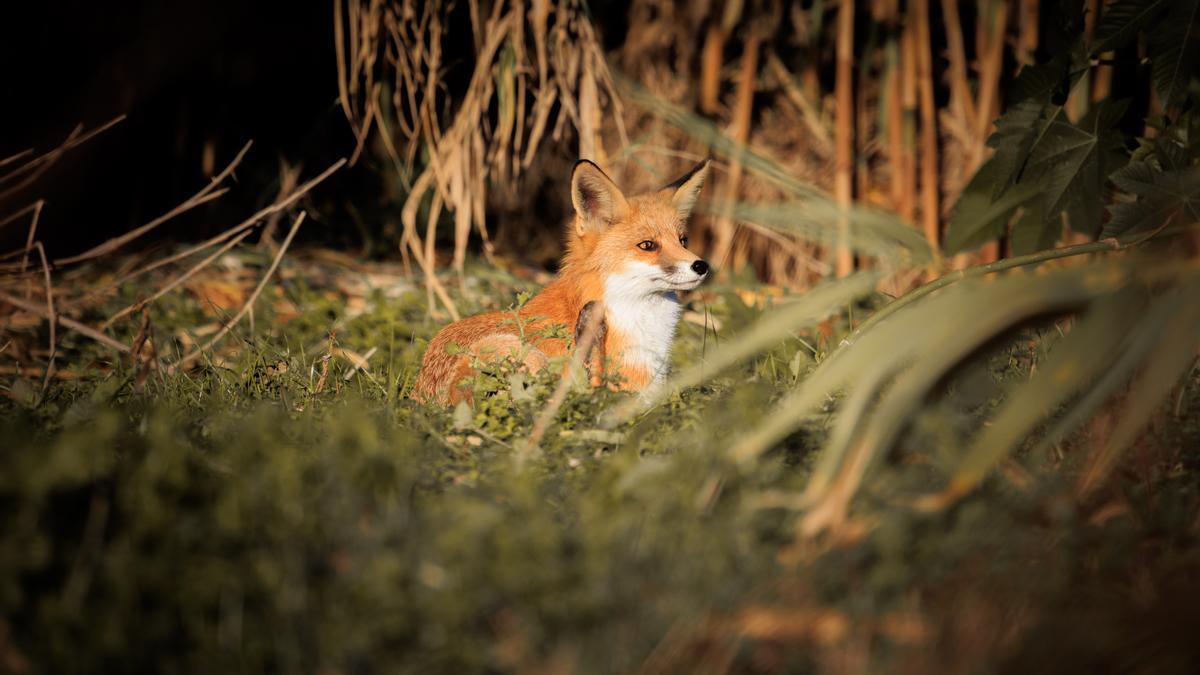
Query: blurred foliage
point(243, 517)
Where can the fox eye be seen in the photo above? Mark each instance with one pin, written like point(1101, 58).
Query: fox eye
point(647, 245)
point(683, 240)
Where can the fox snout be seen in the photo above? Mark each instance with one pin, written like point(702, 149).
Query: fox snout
point(686, 275)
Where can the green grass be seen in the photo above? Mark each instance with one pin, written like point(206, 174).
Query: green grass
point(236, 519)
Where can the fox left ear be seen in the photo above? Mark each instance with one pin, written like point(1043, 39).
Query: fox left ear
point(686, 188)
point(598, 201)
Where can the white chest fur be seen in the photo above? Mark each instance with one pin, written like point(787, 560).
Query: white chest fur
point(644, 320)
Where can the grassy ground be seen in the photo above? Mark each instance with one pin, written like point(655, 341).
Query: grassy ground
point(284, 508)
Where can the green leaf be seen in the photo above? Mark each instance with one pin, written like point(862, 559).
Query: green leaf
point(1044, 165)
point(1174, 50)
point(1030, 232)
point(1073, 161)
point(1161, 197)
point(463, 417)
point(977, 217)
point(1121, 22)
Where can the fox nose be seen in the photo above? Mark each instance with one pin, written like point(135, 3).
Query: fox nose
point(700, 267)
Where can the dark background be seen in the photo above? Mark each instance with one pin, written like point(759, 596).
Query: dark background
point(186, 74)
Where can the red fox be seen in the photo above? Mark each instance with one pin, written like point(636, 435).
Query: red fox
point(625, 257)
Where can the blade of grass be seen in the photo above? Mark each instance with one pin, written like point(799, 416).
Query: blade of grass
point(771, 329)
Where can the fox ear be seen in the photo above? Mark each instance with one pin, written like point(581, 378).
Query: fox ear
point(686, 188)
point(598, 200)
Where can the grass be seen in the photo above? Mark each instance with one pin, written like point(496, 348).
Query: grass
point(277, 510)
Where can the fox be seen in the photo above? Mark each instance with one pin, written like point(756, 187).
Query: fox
point(626, 259)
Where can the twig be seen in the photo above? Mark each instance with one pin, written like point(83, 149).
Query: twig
point(244, 225)
point(583, 349)
point(812, 119)
point(175, 284)
point(16, 157)
point(186, 360)
point(82, 329)
point(204, 195)
point(50, 310)
point(47, 160)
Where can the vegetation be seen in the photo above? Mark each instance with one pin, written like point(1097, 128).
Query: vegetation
point(211, 462)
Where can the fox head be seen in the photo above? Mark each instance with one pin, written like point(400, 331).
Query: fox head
point(641, 242)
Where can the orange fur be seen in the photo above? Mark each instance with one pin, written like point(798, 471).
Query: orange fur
point(597, 249)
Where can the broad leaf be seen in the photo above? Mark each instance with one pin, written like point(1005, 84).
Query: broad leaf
point(1071, 164)
point(1045, 166)
point(1162, 197)
point(1121, 21)
point(1174, 50)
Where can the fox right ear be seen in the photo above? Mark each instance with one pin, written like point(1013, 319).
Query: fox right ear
point(598, 201)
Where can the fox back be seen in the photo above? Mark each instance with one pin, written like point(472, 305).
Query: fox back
point(625, 257)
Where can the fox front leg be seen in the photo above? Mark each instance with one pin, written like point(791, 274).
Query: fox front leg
point(591, 318)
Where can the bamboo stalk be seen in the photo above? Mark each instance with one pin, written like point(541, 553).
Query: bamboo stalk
point(908, 79)
point(929, 150)
point(843, 185)
point(895, 123)
point(710, 69)
point(988, 108)
point(960, 90)
point(1081, 96)
point(1027, 31)
point(1102, 83)
point(739, 131)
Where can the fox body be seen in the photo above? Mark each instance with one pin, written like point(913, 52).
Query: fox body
point(625, 258)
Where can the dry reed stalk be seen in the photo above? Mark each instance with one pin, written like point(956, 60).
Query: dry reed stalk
point(723, 226)
point(843, 186)
point(812, 118)
point(32, 232)
point(424, 258)
point(82, 329)
point(199, 351)
point(930, 216)
point(489, 137)
point(908, 79)
point(1102, 83)
point(1080, 98)
point(16, 215)
point(51, 313)
point(177, 281)
point(994, 28)
point(278, 205)
point(962, 102)
point(710, 68)
point(208, 193)
point(895, 125)
point(16, 157)
point(988, 108)
point(42, 163)
point(1027, 31)
point(289, 178)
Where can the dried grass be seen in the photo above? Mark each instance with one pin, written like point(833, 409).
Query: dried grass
point(538, 69)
